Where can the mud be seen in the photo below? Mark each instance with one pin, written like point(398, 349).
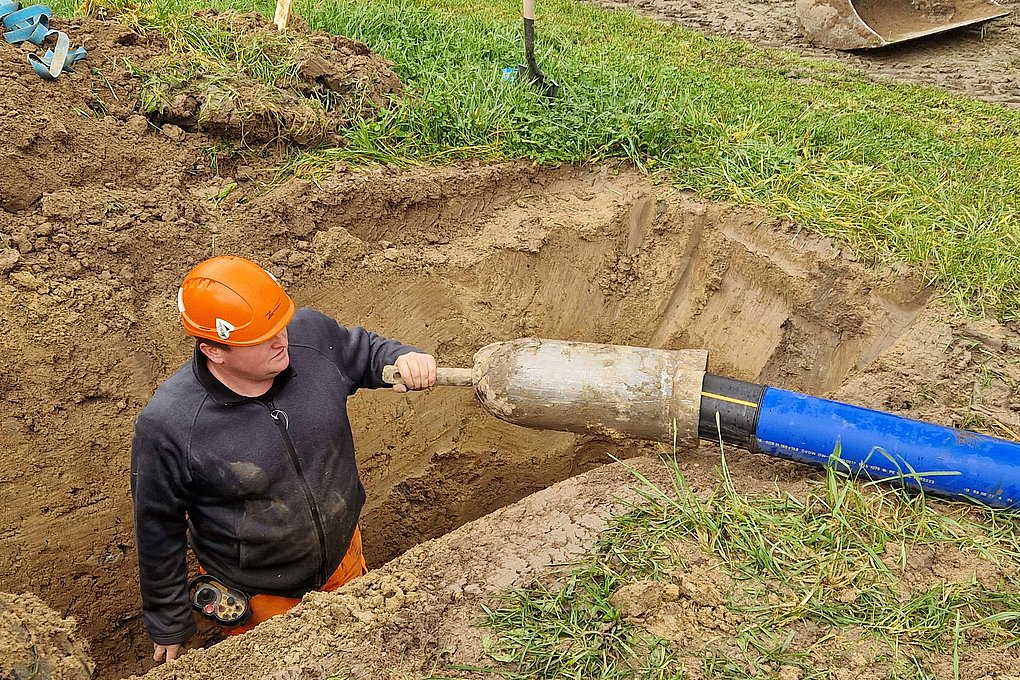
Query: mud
point(102, 217)
point(980, 61)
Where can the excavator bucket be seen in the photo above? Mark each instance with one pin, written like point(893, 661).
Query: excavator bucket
point(865, 24)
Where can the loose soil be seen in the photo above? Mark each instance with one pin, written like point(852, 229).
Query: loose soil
point(105, 210)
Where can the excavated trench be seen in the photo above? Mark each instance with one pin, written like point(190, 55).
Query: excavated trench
point(449, 260)
point(592, 258)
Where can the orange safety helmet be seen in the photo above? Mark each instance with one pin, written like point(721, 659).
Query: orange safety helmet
point(234, 301)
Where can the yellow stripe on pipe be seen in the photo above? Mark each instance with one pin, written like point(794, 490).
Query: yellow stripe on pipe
point(729, 399)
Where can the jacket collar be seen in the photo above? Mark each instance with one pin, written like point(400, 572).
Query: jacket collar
point(226, 396)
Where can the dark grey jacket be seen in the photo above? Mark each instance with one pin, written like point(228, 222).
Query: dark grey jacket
point(267, 488)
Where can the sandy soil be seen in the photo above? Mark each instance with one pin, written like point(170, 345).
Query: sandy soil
point(104, 211)
point(36, 642)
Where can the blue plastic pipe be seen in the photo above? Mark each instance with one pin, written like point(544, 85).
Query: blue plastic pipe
point(887, 447)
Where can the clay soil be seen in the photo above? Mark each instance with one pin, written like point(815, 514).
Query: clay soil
point(103, 211)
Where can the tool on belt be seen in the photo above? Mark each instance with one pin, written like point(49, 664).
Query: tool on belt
point(221, 603)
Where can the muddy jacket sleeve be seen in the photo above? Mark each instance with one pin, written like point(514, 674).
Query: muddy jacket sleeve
point(159, 479)
point(361, 354)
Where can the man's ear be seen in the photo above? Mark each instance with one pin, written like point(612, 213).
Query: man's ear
point(211, 352)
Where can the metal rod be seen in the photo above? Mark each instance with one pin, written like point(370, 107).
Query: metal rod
point(454, 377)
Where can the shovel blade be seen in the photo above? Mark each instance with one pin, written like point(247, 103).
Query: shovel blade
point(546, 85)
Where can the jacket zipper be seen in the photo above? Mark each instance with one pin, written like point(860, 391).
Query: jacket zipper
point(283, 425)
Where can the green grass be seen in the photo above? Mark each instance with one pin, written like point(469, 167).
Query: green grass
point(807, 575)
point(226, 68)
point(898, 172)
point(206, 45)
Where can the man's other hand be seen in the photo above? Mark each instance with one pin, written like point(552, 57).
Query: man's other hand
point(417, 370)
point(167, 652)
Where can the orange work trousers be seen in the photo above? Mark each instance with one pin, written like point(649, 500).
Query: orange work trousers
point(267, 606)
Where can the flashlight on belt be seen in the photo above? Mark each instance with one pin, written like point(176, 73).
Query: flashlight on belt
point(219, 602)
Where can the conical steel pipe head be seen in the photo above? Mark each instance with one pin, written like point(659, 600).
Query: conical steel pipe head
point(590, 388)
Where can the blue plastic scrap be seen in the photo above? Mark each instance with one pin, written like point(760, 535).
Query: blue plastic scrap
point(32, 24)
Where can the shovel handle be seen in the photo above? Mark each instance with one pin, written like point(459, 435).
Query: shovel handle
point(459, 377)
point(529, 9)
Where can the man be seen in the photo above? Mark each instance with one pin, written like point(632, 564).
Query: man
point(247, 452)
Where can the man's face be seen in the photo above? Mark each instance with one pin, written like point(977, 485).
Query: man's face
point(256, 363)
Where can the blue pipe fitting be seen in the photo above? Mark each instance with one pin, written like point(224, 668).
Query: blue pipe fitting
point(886, 447)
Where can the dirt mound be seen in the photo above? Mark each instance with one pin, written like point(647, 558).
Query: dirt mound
point(333, 82)
point(37, 643)
point(91, 124)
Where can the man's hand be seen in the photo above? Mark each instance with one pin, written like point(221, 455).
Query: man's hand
point(169, 652)
point(417, 370)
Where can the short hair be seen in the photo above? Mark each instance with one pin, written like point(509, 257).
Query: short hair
point(212, 343)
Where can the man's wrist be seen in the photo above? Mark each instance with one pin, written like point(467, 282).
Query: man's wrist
point(167, 640)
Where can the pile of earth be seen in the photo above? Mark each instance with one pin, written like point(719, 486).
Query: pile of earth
point(333, 82)
point(87, 125)
point(104, 210)
point(37, 643)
